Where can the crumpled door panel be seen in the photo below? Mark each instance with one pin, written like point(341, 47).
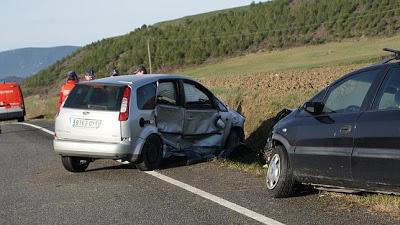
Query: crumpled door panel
point(170, 119)
point(198, 122)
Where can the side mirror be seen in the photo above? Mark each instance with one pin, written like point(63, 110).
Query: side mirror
point(315, 108)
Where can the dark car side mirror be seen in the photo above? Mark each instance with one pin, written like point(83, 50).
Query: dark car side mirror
point(315, 108)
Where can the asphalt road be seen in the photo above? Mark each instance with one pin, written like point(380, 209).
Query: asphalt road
point(35, 189)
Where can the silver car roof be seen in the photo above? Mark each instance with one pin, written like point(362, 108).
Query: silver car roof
point(137, 80)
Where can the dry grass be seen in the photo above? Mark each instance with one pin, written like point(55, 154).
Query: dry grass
point(40, 107)
point(252, 168)
point(378, 203)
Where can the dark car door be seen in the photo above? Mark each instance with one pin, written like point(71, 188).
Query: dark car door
point(169, 111)
point(376, 156)
point(201, 116)
point(324, 142)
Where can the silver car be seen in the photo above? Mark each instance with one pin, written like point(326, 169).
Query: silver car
point(142, 119)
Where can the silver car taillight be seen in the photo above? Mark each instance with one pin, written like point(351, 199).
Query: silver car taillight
point(124, 111)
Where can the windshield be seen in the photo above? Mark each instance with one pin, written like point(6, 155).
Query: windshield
point(95, 97)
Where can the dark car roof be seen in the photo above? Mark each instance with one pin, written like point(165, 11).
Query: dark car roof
point(138, 79)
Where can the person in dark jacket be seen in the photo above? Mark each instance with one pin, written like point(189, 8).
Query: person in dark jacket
point(140, 70)
point(115, 72)
point(89, 75)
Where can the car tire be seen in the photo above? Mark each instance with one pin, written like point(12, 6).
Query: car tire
point(152, 154)
point(75, 164)
point(279, 180)
point(233, 139)
point(21, 119)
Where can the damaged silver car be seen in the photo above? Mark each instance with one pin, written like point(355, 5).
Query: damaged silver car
point(143, 119)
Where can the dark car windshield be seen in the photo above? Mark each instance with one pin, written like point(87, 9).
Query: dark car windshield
point(95, 97)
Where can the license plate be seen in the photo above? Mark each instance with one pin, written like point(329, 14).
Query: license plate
point(85, 123)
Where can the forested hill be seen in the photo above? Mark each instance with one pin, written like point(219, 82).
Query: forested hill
point(194, 40)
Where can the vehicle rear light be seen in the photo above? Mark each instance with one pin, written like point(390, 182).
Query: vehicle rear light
point(124, 112)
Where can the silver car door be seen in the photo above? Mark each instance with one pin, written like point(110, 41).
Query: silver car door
point(169, 112)
point(203, 124)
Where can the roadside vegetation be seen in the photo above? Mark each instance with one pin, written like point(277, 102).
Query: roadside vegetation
point(376, 203)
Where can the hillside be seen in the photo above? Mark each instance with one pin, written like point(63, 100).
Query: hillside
point(27, 61)
point(260, 27)
point(229, 78)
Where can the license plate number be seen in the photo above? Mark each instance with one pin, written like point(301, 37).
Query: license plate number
point(85, 123)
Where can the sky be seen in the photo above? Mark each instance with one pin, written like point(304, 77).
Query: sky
point(47, 23)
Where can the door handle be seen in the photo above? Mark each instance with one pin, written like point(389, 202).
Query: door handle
point(345, 129)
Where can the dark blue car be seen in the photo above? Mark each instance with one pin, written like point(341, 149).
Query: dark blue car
point(347, 136)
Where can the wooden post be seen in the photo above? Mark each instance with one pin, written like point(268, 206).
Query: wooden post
point(148, 52)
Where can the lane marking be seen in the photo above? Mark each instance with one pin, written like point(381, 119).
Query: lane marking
point(38, 127)
point(230, 205)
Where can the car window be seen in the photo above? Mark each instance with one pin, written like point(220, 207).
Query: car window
point(96, 97)
point(221, 106)
point(319, 97)
point(166, 93)
point(348, 95)
point(196, 98)
point(146, 96)
point(389, 97)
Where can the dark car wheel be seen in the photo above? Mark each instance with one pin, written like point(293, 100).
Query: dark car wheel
point(75, 164)
point(233, 139)
point(21, 119)
point(152, 153)
point(233, 146)
point(280, 181)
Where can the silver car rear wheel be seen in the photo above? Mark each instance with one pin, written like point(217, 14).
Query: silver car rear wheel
point(274, 171)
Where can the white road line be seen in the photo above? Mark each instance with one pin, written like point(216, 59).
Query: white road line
point(37, 127)
point(230, 205)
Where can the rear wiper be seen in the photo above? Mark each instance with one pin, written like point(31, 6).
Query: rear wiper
point(97, 107)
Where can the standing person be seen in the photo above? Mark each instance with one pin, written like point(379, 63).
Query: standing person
point(115, 72)
point(89, 75)
point(72, 79)
point(140, 70)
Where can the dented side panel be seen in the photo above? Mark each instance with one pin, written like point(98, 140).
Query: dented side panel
point(198, 122)
point(170, 119)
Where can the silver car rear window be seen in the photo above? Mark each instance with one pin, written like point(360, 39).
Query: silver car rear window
point(95, 97)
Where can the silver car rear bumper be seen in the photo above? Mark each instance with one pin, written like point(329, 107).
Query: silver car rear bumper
point(124, 150)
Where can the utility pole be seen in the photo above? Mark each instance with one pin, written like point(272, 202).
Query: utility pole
point(148, 52)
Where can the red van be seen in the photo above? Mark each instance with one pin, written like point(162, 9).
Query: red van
point(11, 102)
